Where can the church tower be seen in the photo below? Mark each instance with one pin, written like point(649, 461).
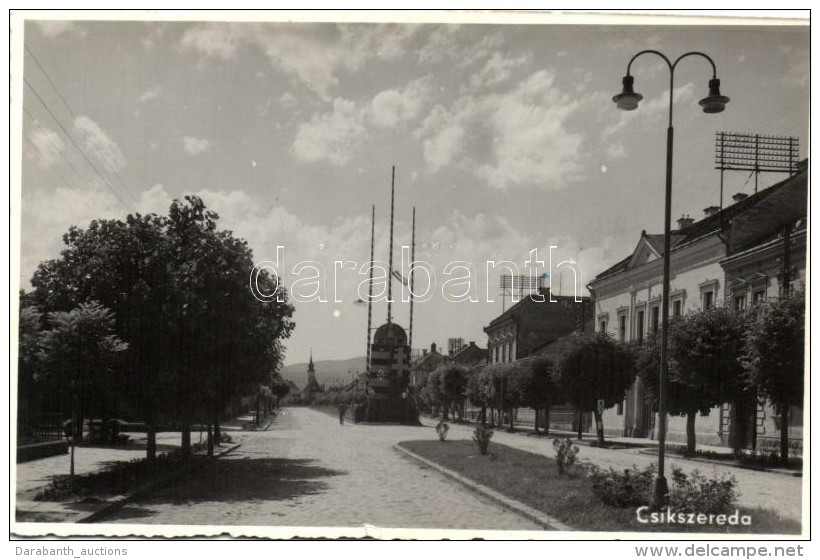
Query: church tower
point(312, 385)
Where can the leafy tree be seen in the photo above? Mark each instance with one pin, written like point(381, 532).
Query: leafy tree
point(179, 288)
point(681, 399)
point(453, 385)
point(479, 391)
point(30, 333)
point(78, 352)
point(280, 388)
point(431, 392)
point(705, 350)
point(774, 357)
point(596, 368)
point(541, 391)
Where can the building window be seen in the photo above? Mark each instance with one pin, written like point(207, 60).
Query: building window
point(497, 350)
point(656, 319)
point(740, 302)
point(758, 296)
point(708, 300)
point(622, 328)
point(504, 353)
point(677, 308)
point(639, 326)
point(708, 294)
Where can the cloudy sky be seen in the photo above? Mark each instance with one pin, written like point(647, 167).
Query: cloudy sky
point(504, 138)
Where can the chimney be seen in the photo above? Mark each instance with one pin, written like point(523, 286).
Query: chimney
point(433, 348)
point(740, 196)
point(711, 211)
point(424, 352)
point(685, 221)
point(472, 343)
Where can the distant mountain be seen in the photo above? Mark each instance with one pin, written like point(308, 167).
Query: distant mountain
point(329, 372)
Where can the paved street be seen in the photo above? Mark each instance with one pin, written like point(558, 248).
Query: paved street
point(308, 471)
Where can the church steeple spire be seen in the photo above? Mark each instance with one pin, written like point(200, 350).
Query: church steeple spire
point(310, 364)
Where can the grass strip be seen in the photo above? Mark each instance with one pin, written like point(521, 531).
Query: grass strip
point(534, 480)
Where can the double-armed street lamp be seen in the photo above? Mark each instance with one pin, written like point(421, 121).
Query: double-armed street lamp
point(628, 100)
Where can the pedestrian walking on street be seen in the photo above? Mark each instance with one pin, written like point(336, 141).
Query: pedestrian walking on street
point(342, 410)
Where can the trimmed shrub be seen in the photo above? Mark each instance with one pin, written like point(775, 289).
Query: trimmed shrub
point(482, 436)
point(627, 488)
point(441, 429)
point(565, 453)
point(695, 493)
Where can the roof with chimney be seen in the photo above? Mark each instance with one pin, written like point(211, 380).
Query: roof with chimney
point(470, 355)
point(540, 322)
point(430, 360)
point(748, 221)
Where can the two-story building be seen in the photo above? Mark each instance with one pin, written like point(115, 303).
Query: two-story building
point(532, 323)
point(730, 256)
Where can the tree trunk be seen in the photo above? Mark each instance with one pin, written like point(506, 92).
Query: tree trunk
point(547, 421)
point(151, 444)
point(784, 434)
point(186, 440)
point(599, 426)
point(691, 445)
point(737, 430)
point(210, 441)
point(445, 407)
point(217, 431)
point(535, 424)
point(511, 419)
point(580, 414)
point(483, 415)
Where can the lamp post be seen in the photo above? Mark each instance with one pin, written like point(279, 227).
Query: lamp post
point(628, 100)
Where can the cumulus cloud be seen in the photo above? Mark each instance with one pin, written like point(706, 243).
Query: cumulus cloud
point(532, 145)
point(332, 136)
point(392, 107)
point(194, 146)
point(650, 112)
point(150, 94)
point(449, 44)
point(49, 147)
point(98, 144)
point(496, 70)
point(220, 40)
point(313, 54)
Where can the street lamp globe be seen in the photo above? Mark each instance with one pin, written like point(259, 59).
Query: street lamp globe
point(627, 100)
point(716, 102)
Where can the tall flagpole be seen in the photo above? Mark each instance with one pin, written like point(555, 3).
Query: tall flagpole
point(370, 285)
point(390, 263)
point(412, 271)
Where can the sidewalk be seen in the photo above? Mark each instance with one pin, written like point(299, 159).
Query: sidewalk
point(34, 476)
point(756, 488)
point(645, 445)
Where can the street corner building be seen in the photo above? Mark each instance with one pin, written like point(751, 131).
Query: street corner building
point(732, 256)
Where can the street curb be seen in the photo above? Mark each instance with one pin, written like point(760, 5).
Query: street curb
point(116, 503)
point(781, 472)
point(546, 521)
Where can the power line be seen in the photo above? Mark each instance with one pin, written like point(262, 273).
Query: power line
point(76, 145)
point(56, 170)
point(57, 147)
point(110, 164)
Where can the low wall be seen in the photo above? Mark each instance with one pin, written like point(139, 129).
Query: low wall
point(33, 451)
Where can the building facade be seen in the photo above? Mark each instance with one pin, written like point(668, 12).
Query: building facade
point(533, 323)
point(731, 256)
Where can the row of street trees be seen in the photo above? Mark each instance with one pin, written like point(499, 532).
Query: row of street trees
point(720, 356)
point(151, 317)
